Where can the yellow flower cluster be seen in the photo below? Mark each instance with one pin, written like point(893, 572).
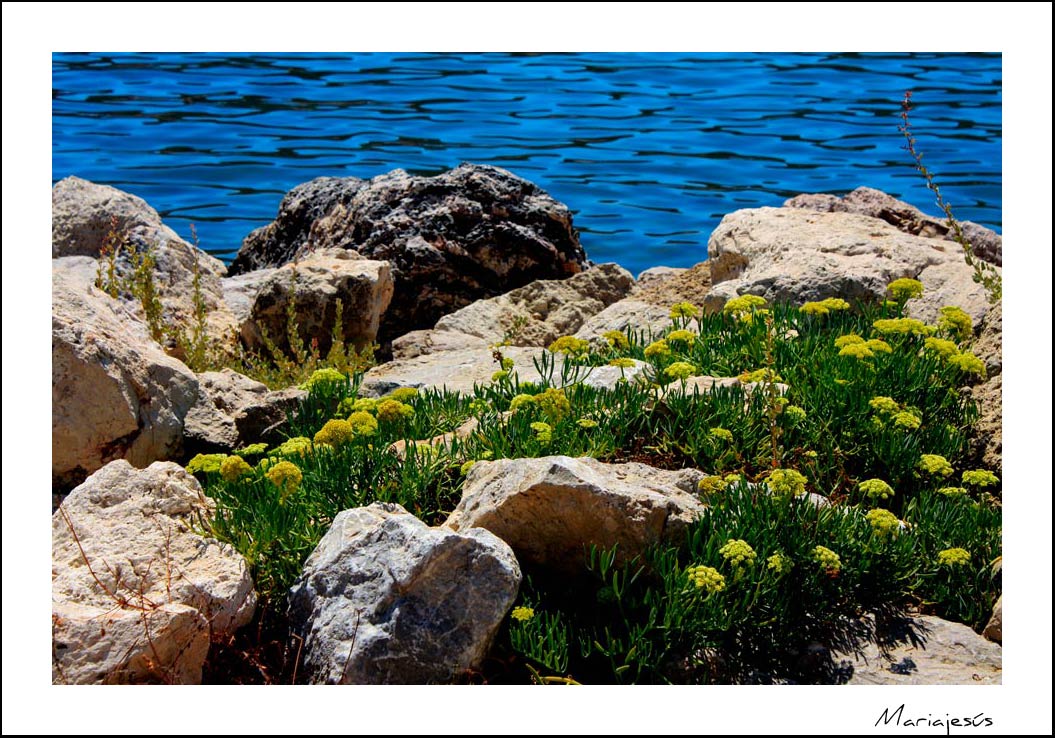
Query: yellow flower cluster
point(759, 375)
point(507, 363)
point(363, 423)
point(208, 463)
point(879, 346)
point(711, 485)
point(296, 446)
point(683, 310)
point(404, 394)
point(827, 558)
point(358, 404)
point(253, 449)
point(464, 469)
point(731, 479)
point(884, 405)
point(335, 433)
point(286, 476)
point(522, 613)
point(722, 434)
point(743, 304)
point(738, 553)
point(234, 468)
point(323, 376)
point(905, 289)
point(616, 339)
point(935, 465)
point(570, 346)
point(856, 351)
point(682, 336)
point(543, 432)
point(885, 524)
point(952, 557)
point(499, 375)
point(956, 322)
point(823, 307)
point(622, 362)
point(520, 401)
point(794, 414)
point(968, 363)
point(680, 370)
point(706, 578)
point(943, 347)
point(953, 492)
point(554, 404)
point(907, 420)
point(657, 349)
point(586, 423)
point(902, 326)
point(779, 563)
point(786, 483)
point(980, 478)
point(848, 340)
point(876, 488)
point(391, 411)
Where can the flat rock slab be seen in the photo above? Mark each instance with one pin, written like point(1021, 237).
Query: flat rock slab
point(136, 594)
point(928, 650)
point(384, 599)
point(551, 509)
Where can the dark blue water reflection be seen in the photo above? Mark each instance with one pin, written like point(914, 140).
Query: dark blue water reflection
point(649, 150)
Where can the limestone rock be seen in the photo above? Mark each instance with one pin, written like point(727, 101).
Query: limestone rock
point(384, 599)
point(83, 214)
point(260, 299)
point(655, 275)
point(927, 650)
point(533, 315)
point(431, 341)
point(679, 285)
point(798, 255)
point(643, 317)
point(551, 509)
point(472, 232)
point(459, 371)
point(125, 563)
point(986, 243)
point(114, 393)
point(233, 410)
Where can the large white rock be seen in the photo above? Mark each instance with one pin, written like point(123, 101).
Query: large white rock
point(384, 599)
point(926, 650)
point(551, 509)
point(797, 255)
point(259, 299)
point(533, 315)
point(459, 371)
point(114, 392)
point(136, 593)
point(82, 215)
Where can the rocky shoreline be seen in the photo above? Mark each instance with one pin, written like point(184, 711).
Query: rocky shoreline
point(437, 271)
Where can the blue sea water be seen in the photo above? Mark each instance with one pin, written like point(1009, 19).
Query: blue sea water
point(649, 150)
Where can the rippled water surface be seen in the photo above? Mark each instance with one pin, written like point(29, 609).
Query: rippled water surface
point(649, 150)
